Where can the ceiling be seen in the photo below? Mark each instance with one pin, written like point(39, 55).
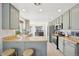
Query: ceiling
point(49, 11)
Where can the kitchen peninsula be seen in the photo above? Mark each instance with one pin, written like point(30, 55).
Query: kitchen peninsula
point(39, 43)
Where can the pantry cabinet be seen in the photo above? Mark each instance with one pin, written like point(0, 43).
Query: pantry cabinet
point(10, 16)
point(74, 17)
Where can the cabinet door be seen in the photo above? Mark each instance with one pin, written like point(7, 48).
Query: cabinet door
point(0, 16)
point(5, 16)
point(69, 50)
point(61, 19)
point(55, 22)
point(58, 21)
point(1, 45)
point(61, 45)
point(14, 18)
point(27, 25)
point(74, 17)
point(66, 20)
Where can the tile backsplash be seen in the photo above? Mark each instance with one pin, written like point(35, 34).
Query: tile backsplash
point(70, 32)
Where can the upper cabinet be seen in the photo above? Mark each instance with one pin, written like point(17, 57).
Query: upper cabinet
point(27, 26)
point(60, 20)
point(0, 16)
point(66, 22)
point(10, 17)
point(74, 17)
point(57, 21)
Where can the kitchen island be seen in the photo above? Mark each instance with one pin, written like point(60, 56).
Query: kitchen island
point(39, 43)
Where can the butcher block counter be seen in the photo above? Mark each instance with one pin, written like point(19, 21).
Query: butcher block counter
point(71, 39)
point(25, 38)
point(39, 43)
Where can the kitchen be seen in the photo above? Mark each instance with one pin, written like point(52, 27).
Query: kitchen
point(17, 37)
point(31, 37)
point(65, 33)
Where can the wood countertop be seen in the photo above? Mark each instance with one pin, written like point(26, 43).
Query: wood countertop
point(25, 38)
point(71, 39)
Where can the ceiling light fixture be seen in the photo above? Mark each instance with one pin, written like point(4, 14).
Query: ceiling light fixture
point(59, 10)
point(23, 10)
point(37, 4)
point(41, 10)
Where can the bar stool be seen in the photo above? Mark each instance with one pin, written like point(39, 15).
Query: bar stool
point(9, 52)
point(29, 52)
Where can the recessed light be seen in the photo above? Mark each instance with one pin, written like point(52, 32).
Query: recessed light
point(41, 10)
point(23, 10)
point(59, 10)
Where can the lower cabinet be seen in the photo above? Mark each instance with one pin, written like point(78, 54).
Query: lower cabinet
point(69, 49)
point(54, 39)
point(61, 44)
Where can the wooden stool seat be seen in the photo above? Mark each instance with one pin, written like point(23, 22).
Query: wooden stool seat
point(8, 52)
point(28, 52)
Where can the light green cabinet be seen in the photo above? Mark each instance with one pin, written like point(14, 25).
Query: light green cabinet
point(0, 16)
point(69, 49)
point(10, 17)
point(60, 19)
point(61, 44)
point(57, 21)
point(71, 18)
point(66, 20)
point(27, 26)
point(74, 17)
